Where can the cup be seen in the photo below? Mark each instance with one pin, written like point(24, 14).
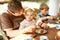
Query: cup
point(57, 26)
point(43, 38)
point(30, 38)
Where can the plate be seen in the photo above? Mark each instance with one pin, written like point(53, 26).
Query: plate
point(38, 31)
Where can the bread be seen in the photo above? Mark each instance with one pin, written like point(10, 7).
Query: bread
point(41, 30)
point(58, 35)
point(58, 21)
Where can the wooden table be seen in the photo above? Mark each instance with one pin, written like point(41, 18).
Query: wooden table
point(51, 34)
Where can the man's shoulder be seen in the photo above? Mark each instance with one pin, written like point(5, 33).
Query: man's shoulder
point(4, 14)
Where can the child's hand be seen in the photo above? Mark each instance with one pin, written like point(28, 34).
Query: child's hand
point(51, 18)
point(37, 27)
point(44, 26)
point(39, 23)
point(32, 28)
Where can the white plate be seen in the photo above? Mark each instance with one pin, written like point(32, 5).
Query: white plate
point(38, 31)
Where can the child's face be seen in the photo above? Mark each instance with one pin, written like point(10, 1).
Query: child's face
point(44, 12)
point(29, 16)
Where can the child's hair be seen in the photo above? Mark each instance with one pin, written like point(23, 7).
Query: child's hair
point(31, 10)
point(14, 5)
point(44, 6)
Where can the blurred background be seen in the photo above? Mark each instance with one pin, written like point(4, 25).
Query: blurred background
point(54, 5)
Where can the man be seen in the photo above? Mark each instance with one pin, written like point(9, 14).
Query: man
point(10, 20)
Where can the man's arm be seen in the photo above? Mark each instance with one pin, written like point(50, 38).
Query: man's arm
point(6, 23)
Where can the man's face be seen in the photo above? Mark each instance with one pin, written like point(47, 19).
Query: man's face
point(19, 13)
point(44, 12)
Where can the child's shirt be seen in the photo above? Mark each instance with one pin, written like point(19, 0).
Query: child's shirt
point(26, 23)
point(39, 15)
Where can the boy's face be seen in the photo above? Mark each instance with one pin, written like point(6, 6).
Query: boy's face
point(44, 12)
point(29, 16)
point(19, 13)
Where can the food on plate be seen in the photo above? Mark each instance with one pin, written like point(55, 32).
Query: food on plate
point(58, 35)
point(58, 21)
point(41, 30)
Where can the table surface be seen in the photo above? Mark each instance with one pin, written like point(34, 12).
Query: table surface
point(51, 34)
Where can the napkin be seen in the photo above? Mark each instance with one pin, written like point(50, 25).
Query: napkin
point(51, 25)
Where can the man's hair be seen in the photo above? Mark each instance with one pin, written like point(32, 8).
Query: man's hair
point(14, 5)
point(44, 6)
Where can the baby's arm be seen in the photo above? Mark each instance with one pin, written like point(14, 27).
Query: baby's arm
point(26, 30)
point(30, 29)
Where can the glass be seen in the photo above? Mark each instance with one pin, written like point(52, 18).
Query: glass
point(58, 26)
point(44, 38)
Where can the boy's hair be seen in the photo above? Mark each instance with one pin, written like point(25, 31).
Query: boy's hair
point(14, 5)
point(31, 10)
point(44, 6)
